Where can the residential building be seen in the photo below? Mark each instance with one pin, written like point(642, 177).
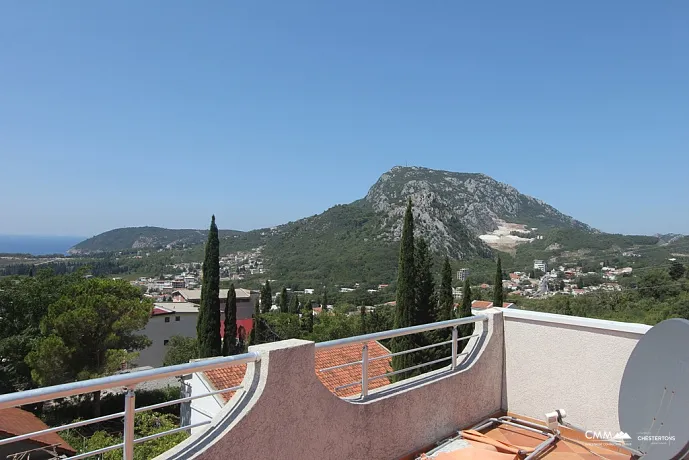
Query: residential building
point(462, 274)
point(245, 300)
point(540, 265)
point(167, 319)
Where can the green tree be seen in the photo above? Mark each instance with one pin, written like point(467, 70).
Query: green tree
point(145, 424)
point(284, 301)
point(498, 297)
point(90, 332)
point(256, 335)
point(464, 311)
point(325, 298)
point(229, 344)
point(362, 320)
point(180, 350)
point(266, 298)
point(580, 283)
point(208, 322)
point(446, 300)
point(425, 299)
point(307, 317)
point(23, 304)
point(676, 270)
point(294, 305)
point(406, 296)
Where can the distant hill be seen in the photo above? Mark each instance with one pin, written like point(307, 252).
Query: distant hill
point(358, 241)
point(143, 237)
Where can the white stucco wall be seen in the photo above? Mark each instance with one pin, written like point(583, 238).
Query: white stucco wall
point(157, 330)
point(210, 405)
point(565, 362)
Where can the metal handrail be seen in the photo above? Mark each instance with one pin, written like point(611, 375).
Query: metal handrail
point(365, 339)
point(122, 380)
point(128, 381)
point(131, 380)
point(400, 332)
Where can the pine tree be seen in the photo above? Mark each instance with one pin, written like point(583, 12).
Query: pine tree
point(294, 305)
point(464, 311)
point(229, 344)
point(446, 299)
point(325, 299)
point(405, 311)
point(266, 298)
point(284, 305)
point(498, 296)
point(208, 322)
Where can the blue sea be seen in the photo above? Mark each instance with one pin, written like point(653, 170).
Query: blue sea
point(37, 245)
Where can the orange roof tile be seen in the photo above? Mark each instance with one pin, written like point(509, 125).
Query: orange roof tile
point(233, 376)
point(16, 422)
point(481, 304)
point(350, 374)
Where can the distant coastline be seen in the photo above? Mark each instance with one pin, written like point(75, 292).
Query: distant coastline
point(37, 245)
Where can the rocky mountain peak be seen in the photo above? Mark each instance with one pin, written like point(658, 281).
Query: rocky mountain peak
point(451, 206)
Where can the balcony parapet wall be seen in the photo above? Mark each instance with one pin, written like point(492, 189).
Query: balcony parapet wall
point(286, 412)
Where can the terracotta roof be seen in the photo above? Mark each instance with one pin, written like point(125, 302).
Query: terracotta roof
point(15, 422)
point(483, 304)
point(343, 376)
point(233, 376)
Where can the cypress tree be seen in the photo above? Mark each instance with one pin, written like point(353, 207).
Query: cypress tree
point(425, 287)
point(446, 300)
point(464, 311)
point(294, 305)
point(404, 311)
point(362, 323)
point(498, 296)
point(325, 298)
point(284, 305)
point(266, 298)
point(229, 343)
point(254, 335)
point(208, 322)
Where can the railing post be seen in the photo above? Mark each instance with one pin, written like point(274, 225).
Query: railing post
point(454, 347)
point(364, 371)
point(129, 406)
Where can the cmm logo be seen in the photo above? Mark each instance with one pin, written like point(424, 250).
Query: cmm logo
point(619, 437)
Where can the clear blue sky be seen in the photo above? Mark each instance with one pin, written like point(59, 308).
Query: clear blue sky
point(163, 112)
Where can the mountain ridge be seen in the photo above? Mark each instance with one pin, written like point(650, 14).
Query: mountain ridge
point(451, 210)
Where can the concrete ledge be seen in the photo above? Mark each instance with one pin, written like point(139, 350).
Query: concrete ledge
point(287, 412)
point(590, 323)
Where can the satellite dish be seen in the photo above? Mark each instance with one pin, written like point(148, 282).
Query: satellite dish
point(653, 406)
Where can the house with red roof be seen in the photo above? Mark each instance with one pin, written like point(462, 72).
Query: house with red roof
point(218, 379)
point(484, 304)
point(179, 318)
point(17, 422)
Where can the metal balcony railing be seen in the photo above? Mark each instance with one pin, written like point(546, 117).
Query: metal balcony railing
point(129, 382)
point(365, 360)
